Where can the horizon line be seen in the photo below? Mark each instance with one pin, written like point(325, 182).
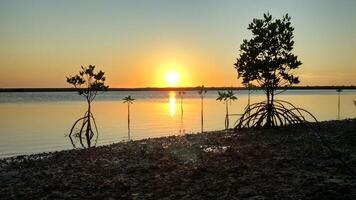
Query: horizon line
point(59, 89)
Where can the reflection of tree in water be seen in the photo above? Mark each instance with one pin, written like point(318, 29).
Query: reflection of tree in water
point(181, 95)
point(338, 102)
point(202, 91)
point(88, 84)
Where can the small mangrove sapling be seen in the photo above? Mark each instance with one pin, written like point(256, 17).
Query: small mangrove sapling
point(267, 60)
point(227, 97)
point(129, 100)
point(88, 83)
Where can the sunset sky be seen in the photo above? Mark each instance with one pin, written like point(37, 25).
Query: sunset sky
point(159, 43)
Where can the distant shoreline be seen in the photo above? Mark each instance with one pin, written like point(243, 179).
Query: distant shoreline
point(172, 89)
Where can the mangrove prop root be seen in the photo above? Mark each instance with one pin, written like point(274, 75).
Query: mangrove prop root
point(282, 113)
point(82, 130)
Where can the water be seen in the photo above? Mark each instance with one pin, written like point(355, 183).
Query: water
point(33, 122)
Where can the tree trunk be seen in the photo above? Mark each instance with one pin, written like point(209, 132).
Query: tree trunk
point(269, 109)
point(338, 107)
point(128, 120)
point(227, 116)
point(202, 113)
point(249, 100)
point(88, 129)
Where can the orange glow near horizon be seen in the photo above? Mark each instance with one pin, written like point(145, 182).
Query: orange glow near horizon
point(172, 75)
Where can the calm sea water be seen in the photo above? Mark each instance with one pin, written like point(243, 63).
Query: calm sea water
point(33, 122)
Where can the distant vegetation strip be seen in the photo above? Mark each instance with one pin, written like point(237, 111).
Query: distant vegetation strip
point(171, 89)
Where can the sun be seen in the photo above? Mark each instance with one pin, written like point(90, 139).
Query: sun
point(172, 74)
point(172, 78)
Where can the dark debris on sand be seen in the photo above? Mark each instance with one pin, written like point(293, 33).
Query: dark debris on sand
point(283, 163)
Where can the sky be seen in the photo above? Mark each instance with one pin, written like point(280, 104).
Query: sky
point(144, 43)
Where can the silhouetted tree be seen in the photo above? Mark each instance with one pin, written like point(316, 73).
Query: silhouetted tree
point(129, 101)
point(89, 83)
point(226, 97)
point(267, 59)
point(201, 92)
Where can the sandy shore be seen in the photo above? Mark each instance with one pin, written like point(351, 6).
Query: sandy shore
point(285, 163)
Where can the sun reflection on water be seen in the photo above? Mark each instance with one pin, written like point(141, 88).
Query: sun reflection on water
point(172, 103)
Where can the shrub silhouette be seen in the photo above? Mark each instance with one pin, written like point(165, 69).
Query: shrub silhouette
point(88, 83)
point(267, 61)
